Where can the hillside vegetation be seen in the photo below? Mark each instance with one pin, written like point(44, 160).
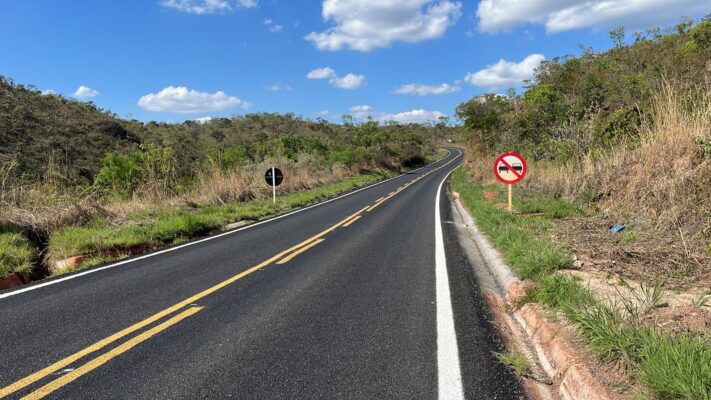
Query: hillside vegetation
point(69, 165)
point(626, 130)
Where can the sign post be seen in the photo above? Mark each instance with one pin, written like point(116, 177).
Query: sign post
point(273, 187)
point(510, 198)
point(510, 168)
point(274, 177)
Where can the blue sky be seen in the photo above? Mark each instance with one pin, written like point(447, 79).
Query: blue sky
point(407, 60)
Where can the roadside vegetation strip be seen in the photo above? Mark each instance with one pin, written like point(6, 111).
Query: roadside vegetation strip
point(666, 366)
point(170, 226)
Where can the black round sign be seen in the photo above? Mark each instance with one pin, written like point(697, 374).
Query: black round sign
point(279, 176)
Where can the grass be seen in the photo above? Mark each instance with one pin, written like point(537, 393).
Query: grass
point(529, 250)
point(170, 226)
point(16, 254)
point(550, 207)
point(676, 368)
point(515, 360)
point(563, 291)
point(667, 367)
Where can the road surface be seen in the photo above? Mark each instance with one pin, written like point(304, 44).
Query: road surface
point(367, 296)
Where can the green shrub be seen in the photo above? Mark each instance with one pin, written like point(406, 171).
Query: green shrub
point(16, 254)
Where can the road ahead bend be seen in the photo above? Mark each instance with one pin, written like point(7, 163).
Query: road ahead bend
point(368, 296)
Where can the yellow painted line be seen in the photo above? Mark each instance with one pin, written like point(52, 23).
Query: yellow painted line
point(30, 379)
point(356, 216)
point(371, 208)
point(301, 250)
point(347, 224)
point(108, 356)
point(401, 188)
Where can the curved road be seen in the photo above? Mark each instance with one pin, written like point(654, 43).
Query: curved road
point(367, 296)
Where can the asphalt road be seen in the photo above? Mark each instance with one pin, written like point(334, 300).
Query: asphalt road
point(347, 299)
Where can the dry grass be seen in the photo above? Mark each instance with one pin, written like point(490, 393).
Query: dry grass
point(247, 183)
point(665, 180)
point(41, 209)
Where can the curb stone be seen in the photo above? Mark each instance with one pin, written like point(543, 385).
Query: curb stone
point(569, 378)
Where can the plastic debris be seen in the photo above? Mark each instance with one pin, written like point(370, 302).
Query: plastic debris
point(617, 228)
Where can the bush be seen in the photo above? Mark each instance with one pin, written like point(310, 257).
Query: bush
point(16, 254)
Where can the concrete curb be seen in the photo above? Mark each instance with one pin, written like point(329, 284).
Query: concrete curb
point(504, 277)
point(537, 337)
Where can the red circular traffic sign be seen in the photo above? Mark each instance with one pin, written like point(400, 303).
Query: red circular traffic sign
point(510, 168)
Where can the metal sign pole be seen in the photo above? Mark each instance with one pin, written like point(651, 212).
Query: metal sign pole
point(273, 185)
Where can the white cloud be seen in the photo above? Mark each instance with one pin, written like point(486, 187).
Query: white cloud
point(85, 92)
point(322, 113)
point(272, 26)
point(506, 73)
point(424, 90)
point(364, 25)
point(48, 92)
point(349, 81)
point(321, 73)
point(561, 15)
point(417, 116)
point(203, 120)
point(200, 7)
point(362, 112)
point(183, 101)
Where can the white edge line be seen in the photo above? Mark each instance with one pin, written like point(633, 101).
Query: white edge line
point(449, 374)
point(91, 271)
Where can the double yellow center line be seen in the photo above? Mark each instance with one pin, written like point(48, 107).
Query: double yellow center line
point(281, 258)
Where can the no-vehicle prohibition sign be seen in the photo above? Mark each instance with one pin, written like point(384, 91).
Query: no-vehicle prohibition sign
point(510, 168)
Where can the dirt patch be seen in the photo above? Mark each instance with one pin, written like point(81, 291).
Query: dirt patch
point(490, 195)
point(675, 313)
point(680, 320)
point(636, 253)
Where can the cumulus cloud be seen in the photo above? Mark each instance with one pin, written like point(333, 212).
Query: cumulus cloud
point(425, 90)
point(181, 100)
point(348, 81)
point(364, 25)
point(200, 7)
point(321, 73)
point(203, 120)
point(506, 73)
point(85, 92)
point(561, 15)
point(417, 116)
